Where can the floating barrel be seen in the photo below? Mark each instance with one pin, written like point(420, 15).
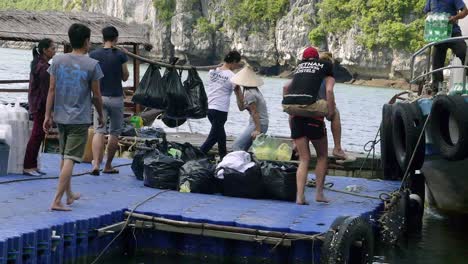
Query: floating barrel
point(449, 126)
point(390, 166)
point(349, 240)
point(408, 122)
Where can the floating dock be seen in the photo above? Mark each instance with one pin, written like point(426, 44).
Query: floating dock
point(30, 233)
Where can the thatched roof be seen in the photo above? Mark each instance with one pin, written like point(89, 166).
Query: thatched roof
point(30, 26)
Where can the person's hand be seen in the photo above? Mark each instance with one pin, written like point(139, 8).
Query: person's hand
point(100, 121)
point(255, 134)
point(452, 19)
point(47, 124)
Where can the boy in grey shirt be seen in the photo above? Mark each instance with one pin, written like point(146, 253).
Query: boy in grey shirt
point(74, 85)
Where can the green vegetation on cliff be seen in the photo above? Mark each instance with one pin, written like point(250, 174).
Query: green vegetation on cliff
point(252, 12)
point(165, 9)
point(396, 24)
point(32, 4)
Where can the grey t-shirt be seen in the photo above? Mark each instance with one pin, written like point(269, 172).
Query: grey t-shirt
point(73, 75)
point(253, 95)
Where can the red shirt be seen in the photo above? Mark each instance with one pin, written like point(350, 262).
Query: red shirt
point(38, 87)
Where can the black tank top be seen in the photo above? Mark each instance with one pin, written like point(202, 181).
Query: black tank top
point(308, 78)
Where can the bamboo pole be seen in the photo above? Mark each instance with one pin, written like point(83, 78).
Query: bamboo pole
point(167, 65)
point(243, 230)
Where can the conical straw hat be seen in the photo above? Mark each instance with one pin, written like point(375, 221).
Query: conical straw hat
point(247, 78)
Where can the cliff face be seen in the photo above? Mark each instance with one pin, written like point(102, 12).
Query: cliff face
point(271, 48)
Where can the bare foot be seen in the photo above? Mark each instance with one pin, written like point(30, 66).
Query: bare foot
point(73, 198)
point(59, 207)
point(321, 199)
point(301, 201)
point(339, 154)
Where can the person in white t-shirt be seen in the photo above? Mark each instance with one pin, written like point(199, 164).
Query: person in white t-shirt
point(219, 90)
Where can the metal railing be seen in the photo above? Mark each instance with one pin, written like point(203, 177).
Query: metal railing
point(428, 49)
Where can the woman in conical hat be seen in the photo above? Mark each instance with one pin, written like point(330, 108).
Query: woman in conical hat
point(251, 99)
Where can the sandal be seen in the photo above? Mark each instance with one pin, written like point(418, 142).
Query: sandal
point(112, 171)
point(95, 172)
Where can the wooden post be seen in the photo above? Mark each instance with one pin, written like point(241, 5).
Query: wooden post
point(136, 75)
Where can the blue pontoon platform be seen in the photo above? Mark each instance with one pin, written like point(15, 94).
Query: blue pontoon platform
point(30, 233)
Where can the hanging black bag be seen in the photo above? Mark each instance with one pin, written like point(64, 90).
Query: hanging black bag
point(198, 107)
point(177, 97)
point(151, 91)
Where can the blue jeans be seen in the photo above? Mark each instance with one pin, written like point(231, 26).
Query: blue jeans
point(244, 141)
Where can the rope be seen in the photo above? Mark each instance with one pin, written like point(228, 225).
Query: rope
point(328, 186)
point(414, 151)
point(56, 177)
point(126, 224)
point(370, 150)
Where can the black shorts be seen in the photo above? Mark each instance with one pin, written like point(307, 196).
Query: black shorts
point(312, 128)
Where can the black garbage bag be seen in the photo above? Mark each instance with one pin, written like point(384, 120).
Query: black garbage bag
point(171, 122)
point(246, 185)
point(162, 172)
point(177, 97)
point(138, 164)
point(152, 90)
point(128, 131)
point(198, 104)
point(279, 179)
point(189, 152)
point(200, 175)
point(151, 132)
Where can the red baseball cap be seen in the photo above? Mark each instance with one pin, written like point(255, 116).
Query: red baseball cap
point(310, 53)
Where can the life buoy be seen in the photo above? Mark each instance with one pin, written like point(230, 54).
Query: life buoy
point(390, 166)
point(352, 242)
point(449, 126)
point(408, 122)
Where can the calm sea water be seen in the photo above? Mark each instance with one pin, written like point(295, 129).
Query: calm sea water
point(442, 240)
point(359, 106)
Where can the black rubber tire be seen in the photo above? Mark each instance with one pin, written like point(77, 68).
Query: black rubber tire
point(329, 238)
point(342, 248)
point(408, 123)
point(442, 108)
point(391, 168)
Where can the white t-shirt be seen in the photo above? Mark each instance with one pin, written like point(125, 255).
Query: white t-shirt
point(219, 89)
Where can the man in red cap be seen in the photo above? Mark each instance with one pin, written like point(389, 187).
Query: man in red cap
point(304, 91)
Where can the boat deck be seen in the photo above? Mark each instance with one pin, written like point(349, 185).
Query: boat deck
point(26, 224)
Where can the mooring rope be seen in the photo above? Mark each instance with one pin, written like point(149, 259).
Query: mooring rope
point(56, 177)
point(126, 224)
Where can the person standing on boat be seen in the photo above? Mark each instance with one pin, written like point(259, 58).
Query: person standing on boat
point(74, 86)
point(219, 90)
point(304, 90)
point(113, 63)
point(457, 10)
point(37, 97)
point(251, 99)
